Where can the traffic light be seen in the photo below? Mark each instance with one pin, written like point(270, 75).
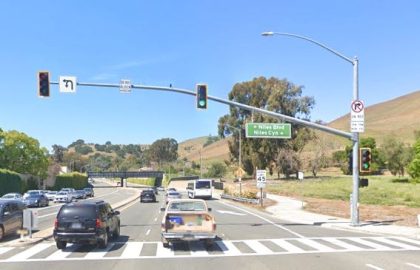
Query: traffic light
point(43, 84)
point(365, 159)
point(201, 96)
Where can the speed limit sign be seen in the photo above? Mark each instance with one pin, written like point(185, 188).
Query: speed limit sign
point(261, 178)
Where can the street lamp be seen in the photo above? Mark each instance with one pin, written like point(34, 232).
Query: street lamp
point(355, 62)
point(240, 156)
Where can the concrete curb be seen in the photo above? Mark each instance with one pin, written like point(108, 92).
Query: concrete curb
point(48, 233)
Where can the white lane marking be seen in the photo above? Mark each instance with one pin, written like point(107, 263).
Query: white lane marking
point(397, 244)
point(343, 244)
point(374, 267)
point(163, 251)
point(5, 249)
point(30, 252)
point(155, 219)
point(228, 248)
point(315, 245)
point(263, 218)
point(287, 246)
point(148, 231)
point(413, 265)
point(230, 213)
point(98, 253)
point(62, 254)
point(368, 243)
point(258, 247)
point(197, 249)
point(132, 250)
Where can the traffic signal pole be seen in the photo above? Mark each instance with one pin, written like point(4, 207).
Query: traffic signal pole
point(352, 136)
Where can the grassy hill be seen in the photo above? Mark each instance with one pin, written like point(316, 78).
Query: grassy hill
point(190, 149)
point(399, 117)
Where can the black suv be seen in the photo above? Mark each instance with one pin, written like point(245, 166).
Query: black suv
point(148, 195)
point(11, 216)
point(91, 222)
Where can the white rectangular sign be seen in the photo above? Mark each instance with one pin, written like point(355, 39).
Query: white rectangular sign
point(125, 86)
point(357, 116)
point(67, 84)
point(261, 176)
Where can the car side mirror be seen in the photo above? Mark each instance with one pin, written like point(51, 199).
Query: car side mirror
point(116, 212)
point(163, 209)
point(7, 213)
point(209, 209)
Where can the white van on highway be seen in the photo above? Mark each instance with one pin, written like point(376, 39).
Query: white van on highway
point(201, 188)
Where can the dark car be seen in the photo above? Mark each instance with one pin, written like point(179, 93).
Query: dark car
point(36, 199)
point(87, 222)
point(79, 194)
point(148, 195)
point(11, 216)
point(89, 192)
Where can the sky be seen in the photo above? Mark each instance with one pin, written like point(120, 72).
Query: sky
point(183, 43)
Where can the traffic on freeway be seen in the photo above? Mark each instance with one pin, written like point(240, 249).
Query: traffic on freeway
point(244, 236)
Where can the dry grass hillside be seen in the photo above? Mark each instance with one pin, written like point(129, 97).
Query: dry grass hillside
point(399, 116)
point(190, 149)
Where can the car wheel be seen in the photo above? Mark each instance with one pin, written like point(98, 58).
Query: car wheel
point(61, 244)
point(165, 242)
point(103, 243)
point(1, 232)
point(116, 233)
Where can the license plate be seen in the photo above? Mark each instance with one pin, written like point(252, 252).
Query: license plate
point(76, 226)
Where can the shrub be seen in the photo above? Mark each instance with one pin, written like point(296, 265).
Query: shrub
point(71, 180)
point(10, 182)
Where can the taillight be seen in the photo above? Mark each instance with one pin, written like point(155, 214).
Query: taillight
point(55, 223)
point(214, 226)
point(98, 223)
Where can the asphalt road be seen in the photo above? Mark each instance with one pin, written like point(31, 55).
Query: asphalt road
point(247, 239)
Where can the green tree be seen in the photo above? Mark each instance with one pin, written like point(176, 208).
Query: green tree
point(163, 150)
point(276, 95)
point(58, 153)
point(396, 155)
point(414, 167)
point(22, 154)
point(217, 169)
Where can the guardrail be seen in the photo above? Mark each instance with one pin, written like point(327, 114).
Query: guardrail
point(239, 199)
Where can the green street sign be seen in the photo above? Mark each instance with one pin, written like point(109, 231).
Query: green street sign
point(268, 130)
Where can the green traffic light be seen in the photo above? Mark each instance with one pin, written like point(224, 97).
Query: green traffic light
point(202, 103)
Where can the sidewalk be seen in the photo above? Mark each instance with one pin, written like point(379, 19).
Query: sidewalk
point(292, 210)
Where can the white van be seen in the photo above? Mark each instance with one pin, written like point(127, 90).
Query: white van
point(201, 188)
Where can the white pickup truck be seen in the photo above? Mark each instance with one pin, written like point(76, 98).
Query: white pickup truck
point(188, 220)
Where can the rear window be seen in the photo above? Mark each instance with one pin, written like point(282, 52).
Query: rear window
point(202, 184)
point(71, 211)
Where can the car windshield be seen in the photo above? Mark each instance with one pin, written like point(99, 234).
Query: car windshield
point(173, 194)
point(62, 193)
point(52, 192)
point(187, 206)
point(34, 195)
point(8, 196)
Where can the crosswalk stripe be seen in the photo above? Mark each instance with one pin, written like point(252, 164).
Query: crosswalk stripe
point(342, 244)
point(314, 244)
point(98, 253)
point(132, 250)
point(287, 246)
point(62, 254)
point(395, 243)
point(30, 252)
point(258, 247)
point(161, 251)
point(228, 248)
point(5, 249)
point(368, 243)
point(408, 240)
